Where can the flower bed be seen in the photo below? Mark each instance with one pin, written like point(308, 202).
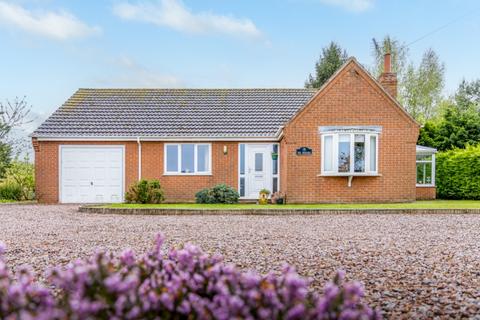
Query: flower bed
point(182, 284)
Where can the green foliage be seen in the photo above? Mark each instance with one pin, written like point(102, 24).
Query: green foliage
point(421, 89)
point(21, 175)
point(205, 196)
point(331, 59)
point(458, 124)
point(398, 51)
point(468, 95)
point(220, 193)
point(458, 173)
point(145, 191)
point(5, 158)
point(265, 191)
point(10, 191)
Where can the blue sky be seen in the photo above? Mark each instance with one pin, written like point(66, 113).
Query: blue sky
point(49, 48)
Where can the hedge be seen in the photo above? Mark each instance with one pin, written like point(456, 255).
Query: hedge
point(458, 173)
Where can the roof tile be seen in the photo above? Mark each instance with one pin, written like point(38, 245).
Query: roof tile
point(163, 113)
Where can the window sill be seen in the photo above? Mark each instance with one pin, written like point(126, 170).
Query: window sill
point(187, 174)
point(349, 174)
point(425, 186)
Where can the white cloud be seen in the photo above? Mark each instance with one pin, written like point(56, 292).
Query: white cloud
point(60, 25)
point(351, 5)
point(132, 74)
point(174, 14)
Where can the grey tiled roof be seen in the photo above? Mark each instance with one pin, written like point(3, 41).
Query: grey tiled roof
point(169, 113)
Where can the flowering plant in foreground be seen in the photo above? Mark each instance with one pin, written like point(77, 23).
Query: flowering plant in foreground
point(183, 284)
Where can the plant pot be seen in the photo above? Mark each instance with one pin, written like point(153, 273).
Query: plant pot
point(274, 156)
point(263, 199)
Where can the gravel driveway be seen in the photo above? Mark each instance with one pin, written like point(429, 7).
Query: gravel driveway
point(412, 266)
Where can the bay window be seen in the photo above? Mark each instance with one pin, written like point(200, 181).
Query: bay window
point(349, 151)
point(187, 159)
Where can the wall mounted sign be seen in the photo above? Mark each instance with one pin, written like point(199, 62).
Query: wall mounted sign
point(304, 151)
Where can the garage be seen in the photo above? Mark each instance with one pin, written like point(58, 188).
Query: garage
point(91, 174)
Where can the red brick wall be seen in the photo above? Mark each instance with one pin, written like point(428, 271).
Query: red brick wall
point(177, 188)
point(352, 98)
point(183, 188)
point(47, 170)
point(426, 193)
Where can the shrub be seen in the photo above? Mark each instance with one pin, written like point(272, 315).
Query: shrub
point(21, 175)
point(220, 193)
point(183, 284)
point(458, 173)
point(205, 196)
point(145, 191)
point(10, 191)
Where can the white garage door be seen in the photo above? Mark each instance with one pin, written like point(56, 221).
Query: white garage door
point(90, 174)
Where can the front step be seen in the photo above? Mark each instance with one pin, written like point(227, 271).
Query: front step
point(248, 201)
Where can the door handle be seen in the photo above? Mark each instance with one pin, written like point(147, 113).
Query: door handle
point(91, 183)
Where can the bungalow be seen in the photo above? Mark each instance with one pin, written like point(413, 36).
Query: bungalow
point(349, 141)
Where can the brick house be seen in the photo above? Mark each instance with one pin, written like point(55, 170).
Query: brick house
point(349, 141)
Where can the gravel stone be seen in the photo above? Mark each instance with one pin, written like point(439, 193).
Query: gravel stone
point(412, 266)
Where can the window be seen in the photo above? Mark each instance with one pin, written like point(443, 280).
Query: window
point(328, 153)
point(349, 153)
point(258, 162)
point(344, 153)
point(187, 158)
point(275, 157)
point(359, 152)
point(172, 158)
point(425, 170)
point(241, 176)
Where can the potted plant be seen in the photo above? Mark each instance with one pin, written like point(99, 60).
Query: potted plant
point(278, 198)
point(263, 199)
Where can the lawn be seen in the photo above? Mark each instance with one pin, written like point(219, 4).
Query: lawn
point(435, 204)
point(7, 201)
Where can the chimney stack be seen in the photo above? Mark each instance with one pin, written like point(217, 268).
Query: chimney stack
point(388, 79)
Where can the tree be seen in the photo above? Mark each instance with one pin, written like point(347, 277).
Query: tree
point(398, 51)
point(331, 59)
point(468, 95)
point(13, 114)
point(421, 90)
point(458, 124)
point(5, 158)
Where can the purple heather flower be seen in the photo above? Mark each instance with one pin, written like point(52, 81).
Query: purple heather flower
point(2, 249)
point(297, 312)
point(185, 283)
point(167, 300)
point(127, 257)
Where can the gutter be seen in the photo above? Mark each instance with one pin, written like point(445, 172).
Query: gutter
point(176, 139)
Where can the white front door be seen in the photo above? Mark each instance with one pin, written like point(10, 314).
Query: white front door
point(91, 174)
point(258, 173)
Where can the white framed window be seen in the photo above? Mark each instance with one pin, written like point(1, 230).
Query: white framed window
point(349, 151)
point(425, 170)
point(187, 159)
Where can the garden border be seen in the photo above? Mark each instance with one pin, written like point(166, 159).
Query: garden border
point(266, 212)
